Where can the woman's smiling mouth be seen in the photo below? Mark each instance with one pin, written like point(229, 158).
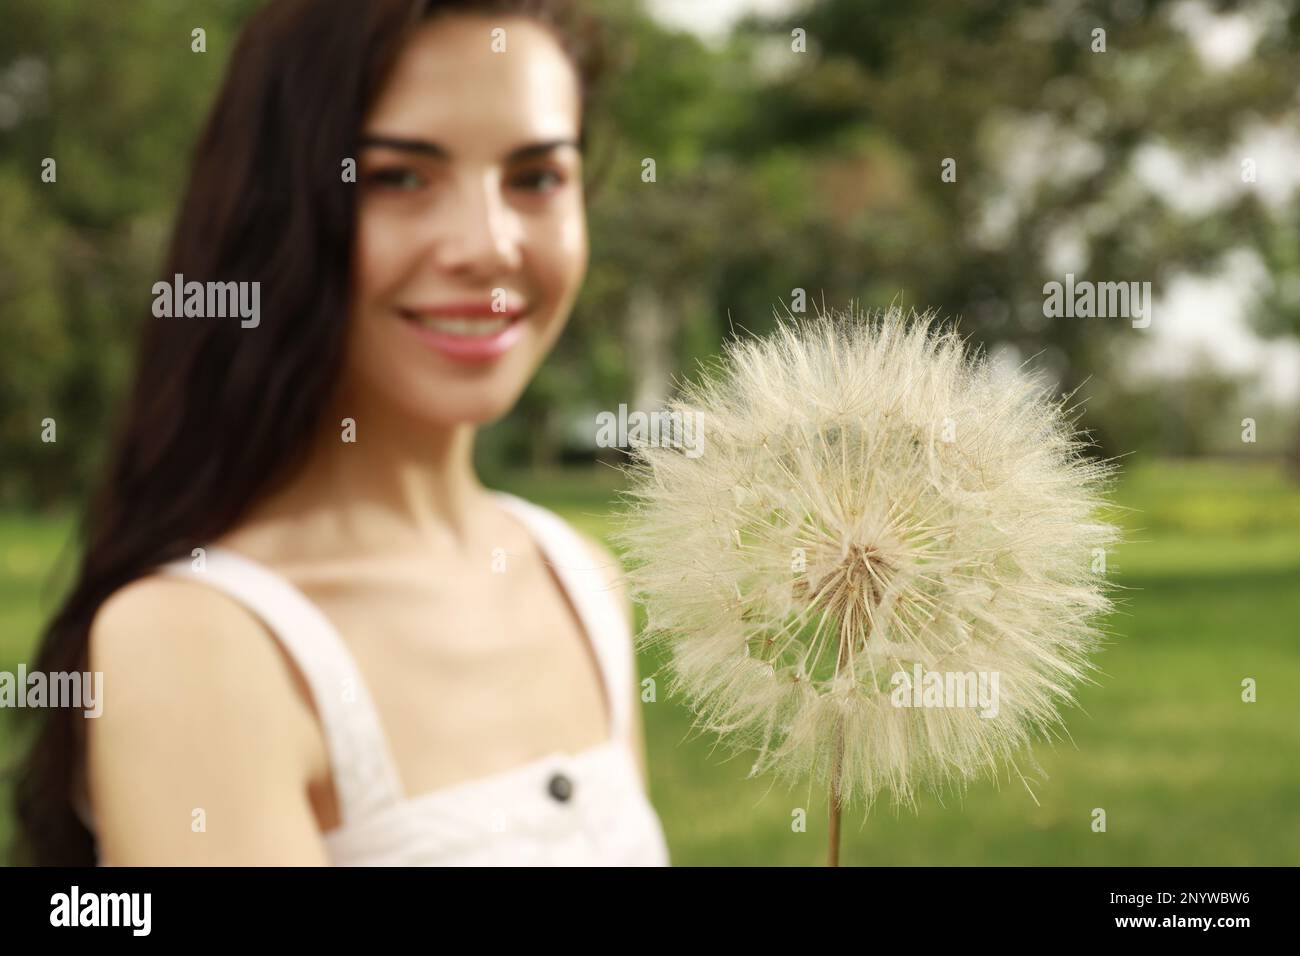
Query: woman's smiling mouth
point(466, 332)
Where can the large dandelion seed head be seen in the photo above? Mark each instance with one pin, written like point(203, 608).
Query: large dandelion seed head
point(870, 500)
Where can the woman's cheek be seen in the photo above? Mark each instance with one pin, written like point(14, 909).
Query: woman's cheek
point(569, 257)
point(381, 250)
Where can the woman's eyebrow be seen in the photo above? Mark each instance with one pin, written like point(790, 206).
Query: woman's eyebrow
point(438, 151)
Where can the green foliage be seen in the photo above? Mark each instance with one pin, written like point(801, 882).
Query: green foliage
point(115, 96)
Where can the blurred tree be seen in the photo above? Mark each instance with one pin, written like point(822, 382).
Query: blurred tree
point(1277, 308)
point(113, 95)
point(1046, 135)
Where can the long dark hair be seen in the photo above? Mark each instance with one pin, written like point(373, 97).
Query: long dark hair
point(219, 415)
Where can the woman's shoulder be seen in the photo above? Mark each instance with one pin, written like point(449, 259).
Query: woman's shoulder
point(144, 618)
point(196, 705)
point(596, 555)
point(593, 553)
point(166, 643)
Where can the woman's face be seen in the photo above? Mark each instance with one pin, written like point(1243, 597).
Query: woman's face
point(471, 239)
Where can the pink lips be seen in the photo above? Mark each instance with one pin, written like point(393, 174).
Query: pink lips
point(464, 348)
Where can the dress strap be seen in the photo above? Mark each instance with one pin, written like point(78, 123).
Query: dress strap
point(599, 607)
point(365, 776)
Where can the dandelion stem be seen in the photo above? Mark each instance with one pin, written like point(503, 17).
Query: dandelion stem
point(837, 767)
point(833, 856)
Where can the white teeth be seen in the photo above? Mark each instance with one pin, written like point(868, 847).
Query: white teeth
point(469, 328)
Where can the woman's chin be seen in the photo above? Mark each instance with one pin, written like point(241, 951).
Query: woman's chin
point(454, 409)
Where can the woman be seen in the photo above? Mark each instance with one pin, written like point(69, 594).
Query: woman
point(322, 640)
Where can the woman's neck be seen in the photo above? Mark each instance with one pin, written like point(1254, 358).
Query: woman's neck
point(374, 482)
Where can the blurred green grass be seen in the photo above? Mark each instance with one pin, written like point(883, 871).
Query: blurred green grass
point(1187, 773)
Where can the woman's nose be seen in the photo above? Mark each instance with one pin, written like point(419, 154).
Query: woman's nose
point(479, 234)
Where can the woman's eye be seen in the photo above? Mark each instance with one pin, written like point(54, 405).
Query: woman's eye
point(396, 178)
point(539, 180)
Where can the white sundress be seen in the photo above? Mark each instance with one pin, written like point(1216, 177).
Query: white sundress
point(564, 809)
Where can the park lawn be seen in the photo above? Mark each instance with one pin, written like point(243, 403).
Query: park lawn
point(1186, 772)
